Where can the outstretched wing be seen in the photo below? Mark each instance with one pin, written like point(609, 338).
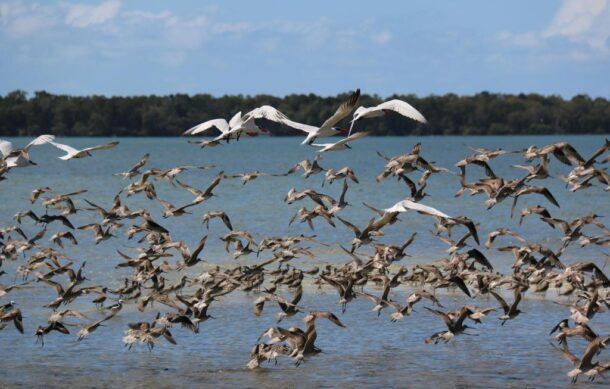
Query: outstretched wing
point(403, 108)
point(6, 147)
point(41, 140)
point(101, 147)
point(220, 124)
point(66, 148)
point(343, 110)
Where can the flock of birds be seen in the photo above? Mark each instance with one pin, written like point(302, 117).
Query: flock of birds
point(166, 271)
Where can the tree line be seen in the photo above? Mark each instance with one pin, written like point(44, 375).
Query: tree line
point(480, 114)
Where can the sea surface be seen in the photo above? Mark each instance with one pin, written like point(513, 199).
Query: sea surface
point(371, 351)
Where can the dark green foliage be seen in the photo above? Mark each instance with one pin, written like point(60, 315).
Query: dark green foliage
point(483, 113)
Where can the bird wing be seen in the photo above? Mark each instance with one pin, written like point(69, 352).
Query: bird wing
point(66, 148)
point(501, 301)
point(267, 112)
point(235, 120)
point(299, 126)
point(403, 108)
point(41, 140)
point(328, 315)
point(442, 315)
point(352, 137)
point(220, 124)
point(567, 354)
point(6, 147)
point(343, 110)
point(100, 147)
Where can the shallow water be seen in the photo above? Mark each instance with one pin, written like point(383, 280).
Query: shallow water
point(371, 351)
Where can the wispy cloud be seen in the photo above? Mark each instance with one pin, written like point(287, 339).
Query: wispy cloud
point(582, 23)
point(85, 15)
point(20, 20)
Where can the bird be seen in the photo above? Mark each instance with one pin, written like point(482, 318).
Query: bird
point(217, 214)
point(455, 325)
point(135, 169)
point(200, 195)
point(401, 107)
point(20, 157)
point(247, 123)
point(510, 311)
point(72, 153)
point(100, 233)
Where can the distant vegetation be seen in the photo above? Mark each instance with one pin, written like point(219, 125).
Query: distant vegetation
point(484, 113)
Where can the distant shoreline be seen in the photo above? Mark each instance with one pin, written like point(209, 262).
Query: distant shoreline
point(168, 116)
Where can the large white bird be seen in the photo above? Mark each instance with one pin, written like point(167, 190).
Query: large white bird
point(20, 157)
point(340, 145)
point(328, 127)
point(241, 124)
point(405, 205)
point(74, 153)
point(398, 106)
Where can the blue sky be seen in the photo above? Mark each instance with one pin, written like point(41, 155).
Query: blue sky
point(424, 47)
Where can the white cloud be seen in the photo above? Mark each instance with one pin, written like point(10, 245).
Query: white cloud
point(20, 20)
point(583, 23)
point(84, 15)
point(142, 17)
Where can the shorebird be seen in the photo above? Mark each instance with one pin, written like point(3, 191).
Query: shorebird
point(401, 107)
point(308, 167)
point(100, 233)
point(135, 169)
point(191, 259)
point(87, 329)
point(510, 311)
point(455, 326)
point(217, 214)
point(37, 192)
point(200, 195)
point(346, 172)
point(53, 326)
point(501, 232)
point(564, 331)
point(246, 177)
point(172, 210)
point(72, 153)
point(13, 315)
point(585, 365)
point(413, 299)
point(289, 308)
point(20, 157)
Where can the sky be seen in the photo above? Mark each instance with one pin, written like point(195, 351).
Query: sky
point(421, 47)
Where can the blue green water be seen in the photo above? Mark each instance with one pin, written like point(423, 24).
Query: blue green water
point(371, 351)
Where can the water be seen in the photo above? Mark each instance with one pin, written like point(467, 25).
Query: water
point(371, 351)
